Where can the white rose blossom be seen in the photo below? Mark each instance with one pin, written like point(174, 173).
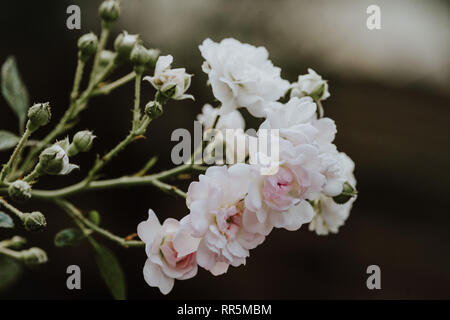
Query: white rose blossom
point(166, 79)
point(218, 216)
point(298, 123)
point(241, 75)
point(171, 252)
point(329, 215)
point(280, 199)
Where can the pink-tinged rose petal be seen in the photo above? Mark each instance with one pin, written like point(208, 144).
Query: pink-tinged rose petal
point(147, 230)
point(156, 278)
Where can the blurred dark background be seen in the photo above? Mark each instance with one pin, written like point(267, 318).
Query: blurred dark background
point(389, 97)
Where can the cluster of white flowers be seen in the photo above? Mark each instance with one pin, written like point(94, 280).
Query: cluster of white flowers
point(232, 209)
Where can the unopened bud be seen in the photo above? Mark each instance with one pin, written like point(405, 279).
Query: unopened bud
point(83, 140)
point(153, 110)
point(140, 57)
point(124, 44)
point(51, 160)
point(34, 256)
point(39, 115)
point(16, 242)
point(109, 10)
point(19, 191)
point(34, 221)
point(87, 46)
point(347, 193)
point(106, 57)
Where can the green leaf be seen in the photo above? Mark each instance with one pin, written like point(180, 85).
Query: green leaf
point(110, 270)
point(14, 90)
point(69, 238)
point(10, 271)
point(94, 216)
point(8, 140)
point(6, 221)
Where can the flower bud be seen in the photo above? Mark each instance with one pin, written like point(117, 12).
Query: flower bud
point(109, 10)
point(34, 256)
point(124, 44)
point(347, 193)
point(87, 46)
point(50, 161)
point(140, 57)
point(19, 191)
point(39, 115)
point(83, 140)
point(16, 242)
point(34, 221)
point(153, 110)
point(106, 57)
point(54, 160)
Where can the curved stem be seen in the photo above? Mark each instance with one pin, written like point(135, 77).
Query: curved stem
point(15, 155)
point(121, 182)
point(106, 89)
point(11, 253)
point(76, 214)
point(100, 163)
point(11, 208)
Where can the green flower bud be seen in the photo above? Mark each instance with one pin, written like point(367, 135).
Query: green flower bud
point(19, 191)
point(347, 193)
point(124, 44)
point(106, 57)
point(51, 160)
point(54, 160)
point(16, 242)
point(318, 93)
point(34, 256)
point(140, 57)
point(109, 10)
point(87, 46)
point(82, 141)
point(34, 221)
point(153, 109)
point(39, 115)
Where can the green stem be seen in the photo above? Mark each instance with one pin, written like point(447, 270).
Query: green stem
point(100, 163)
point(319, 109)
point(101, 45)
point(168, 188)
point(114, 85)
point(83, 222)
point(15, 155)
point(77, 80)
point(137, 99)
point(11, 208)
point(110, 183)
point(147, 167)
point(11, 253)
point(33, 175)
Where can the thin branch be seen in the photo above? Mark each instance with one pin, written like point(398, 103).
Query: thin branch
point(82, 221)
